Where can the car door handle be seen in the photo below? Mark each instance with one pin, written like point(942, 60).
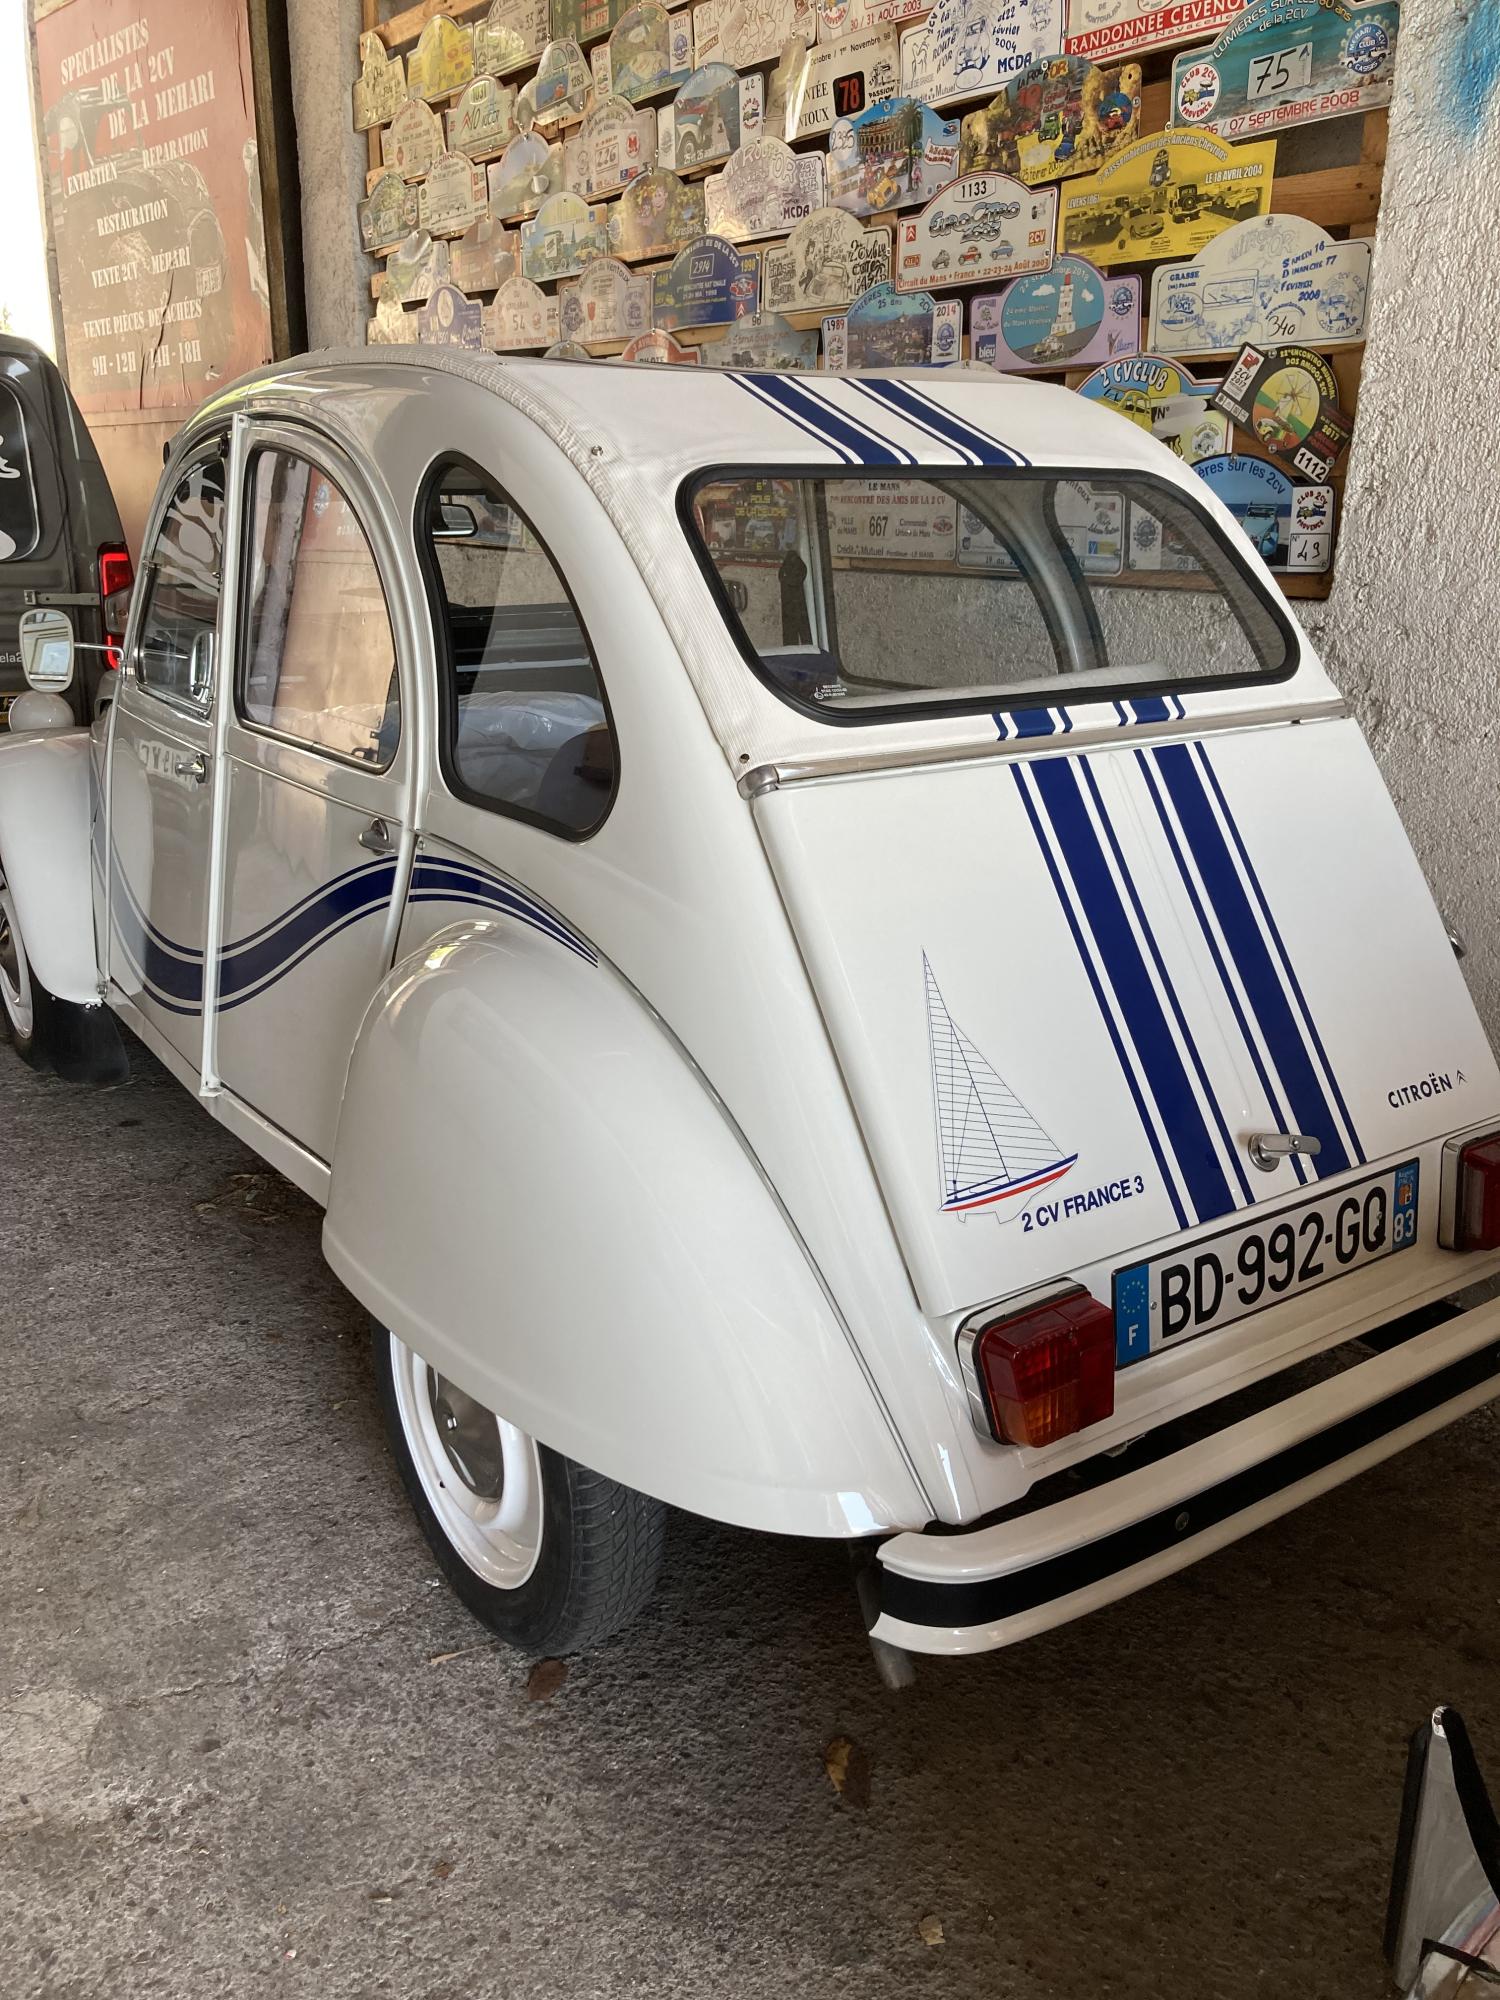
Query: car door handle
point(377, 836)
point(194, 767)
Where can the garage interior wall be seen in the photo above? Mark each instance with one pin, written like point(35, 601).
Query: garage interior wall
point(1410, 631)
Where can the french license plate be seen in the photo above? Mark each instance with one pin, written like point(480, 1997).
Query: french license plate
point(1242, 1270)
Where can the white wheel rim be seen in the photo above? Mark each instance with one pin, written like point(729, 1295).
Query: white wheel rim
point(15, 974)
point(498, 1534)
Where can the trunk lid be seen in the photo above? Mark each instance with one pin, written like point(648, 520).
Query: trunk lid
point(1065, 990)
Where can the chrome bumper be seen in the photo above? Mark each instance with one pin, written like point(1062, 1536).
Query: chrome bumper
point(968, 1592)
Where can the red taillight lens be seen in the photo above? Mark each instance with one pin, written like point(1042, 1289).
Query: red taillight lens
point(1048, 1371)
point(1477, 1213)
point(115, 578)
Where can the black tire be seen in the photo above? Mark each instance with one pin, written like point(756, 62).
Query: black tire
point(83, 1044)
point(599, 1556)
point(20, 991)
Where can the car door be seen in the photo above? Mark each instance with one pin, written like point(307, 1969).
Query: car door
point(162, 776)
point(316, 769)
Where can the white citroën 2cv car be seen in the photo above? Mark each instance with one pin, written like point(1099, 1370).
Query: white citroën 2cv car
point(826, 945)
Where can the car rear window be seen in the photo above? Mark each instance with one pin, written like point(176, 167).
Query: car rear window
point(18, 510)
point(860, 597)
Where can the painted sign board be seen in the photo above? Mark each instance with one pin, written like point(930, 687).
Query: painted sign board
point(562, 237)
point(713, 112)
point(1275, 278)
point(1162, 397)
point(521, 316)
point(763, 340)
point(706, 284)
point(483, 122)
point(967, 48)
point(608, 302)
point(975, 230)
point(811, 87)
point(1288, 398)
point(450, 320)
point(889, 156)
point(442, 61)
point(1102, 29)
point(885, 328)
point(648, 51)
point(1072, 316)
point(765, 189)
point(1289, 62)
point(510, 37)
point(1055, 120)
point(1168, 195)
point(655, 216)
point(826, 261)
point(380, 87)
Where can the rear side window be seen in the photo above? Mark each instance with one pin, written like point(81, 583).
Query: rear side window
point(175, 649)
point(861, 597)
point(319, 656)
point(18, 513)
point(525, 727)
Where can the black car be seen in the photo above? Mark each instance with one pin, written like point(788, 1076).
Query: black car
point(60, 537)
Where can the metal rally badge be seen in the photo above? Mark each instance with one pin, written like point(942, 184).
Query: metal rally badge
point(1057, 119)
point(1168, 195)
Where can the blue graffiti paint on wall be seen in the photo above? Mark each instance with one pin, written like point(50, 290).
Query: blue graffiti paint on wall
point(1477, 71)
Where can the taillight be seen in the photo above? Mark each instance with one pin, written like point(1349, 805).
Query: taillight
point(1046, 1371)
point(1476, 1214)
point(115, 578)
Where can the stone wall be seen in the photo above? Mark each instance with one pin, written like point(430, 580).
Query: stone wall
point(323, 38)
point(1410, 633)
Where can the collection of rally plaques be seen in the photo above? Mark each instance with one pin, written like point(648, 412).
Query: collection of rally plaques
point(633, 178)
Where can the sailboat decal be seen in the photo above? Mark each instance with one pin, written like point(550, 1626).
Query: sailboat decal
point(990, 1148)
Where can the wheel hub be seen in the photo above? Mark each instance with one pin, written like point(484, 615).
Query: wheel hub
point(469, 1435)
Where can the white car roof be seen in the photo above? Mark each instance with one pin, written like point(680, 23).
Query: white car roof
point(636, 431)
point(664, 422)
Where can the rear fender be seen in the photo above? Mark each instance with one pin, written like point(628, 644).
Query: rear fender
point(44, 850)
point(535, 1188)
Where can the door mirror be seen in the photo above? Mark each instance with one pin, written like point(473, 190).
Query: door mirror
point(47, 650)
point(454, 522)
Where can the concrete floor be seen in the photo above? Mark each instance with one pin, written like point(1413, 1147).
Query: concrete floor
point(248, 1744)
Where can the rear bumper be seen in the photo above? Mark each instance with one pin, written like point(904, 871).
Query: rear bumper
point(971, 1591)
